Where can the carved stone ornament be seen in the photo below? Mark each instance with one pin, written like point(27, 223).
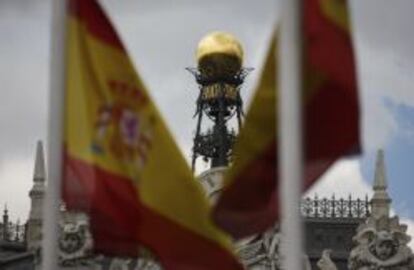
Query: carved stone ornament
point(262, 251)
point(325, 262)
point(381, 243)
point(75, 243)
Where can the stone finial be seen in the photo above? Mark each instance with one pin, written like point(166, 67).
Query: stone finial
point(381, 241)
point(36, 197)
point(39, 168)
point(380, 201)
point(380, 180)
point(39, 175)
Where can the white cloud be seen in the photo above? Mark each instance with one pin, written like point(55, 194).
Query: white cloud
point(162, 49)
point(23, 76)
point(344, 178)
point(385, 64)
point(410, 230)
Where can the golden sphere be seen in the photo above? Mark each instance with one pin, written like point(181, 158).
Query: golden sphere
point(220, 55)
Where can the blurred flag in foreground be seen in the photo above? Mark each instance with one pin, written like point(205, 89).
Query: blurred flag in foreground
point(121, 165)
point(249, 202)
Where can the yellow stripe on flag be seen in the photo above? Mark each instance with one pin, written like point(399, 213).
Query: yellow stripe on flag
point(337, 11)
point(260, 124)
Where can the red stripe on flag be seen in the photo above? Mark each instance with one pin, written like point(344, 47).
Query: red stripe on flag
point(120, 223)
point(332, 119)
point(90, 13)
point(110, 201)
point(331, 123)
point(328, 47)
point(248, 205)
point(182, 249)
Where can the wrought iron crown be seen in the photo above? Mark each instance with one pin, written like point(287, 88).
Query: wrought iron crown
point(219, 99)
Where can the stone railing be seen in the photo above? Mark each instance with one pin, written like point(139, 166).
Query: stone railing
point(335, 208)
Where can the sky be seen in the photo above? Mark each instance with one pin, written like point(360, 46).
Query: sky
point(161, 37)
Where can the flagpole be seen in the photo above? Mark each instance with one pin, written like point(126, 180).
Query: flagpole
point(290, 132)
point(55, 134)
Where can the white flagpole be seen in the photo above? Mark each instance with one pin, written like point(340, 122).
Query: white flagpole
point(55, 135)
point(290, 132)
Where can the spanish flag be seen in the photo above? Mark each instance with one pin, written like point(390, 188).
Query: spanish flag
point(121, 165)
point(331, 121)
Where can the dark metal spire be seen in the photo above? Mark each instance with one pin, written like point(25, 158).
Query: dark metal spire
point(219, 99)
point(5, 224)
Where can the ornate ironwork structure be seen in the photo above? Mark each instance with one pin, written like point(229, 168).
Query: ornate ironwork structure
point(219, 100)
point(335, 208)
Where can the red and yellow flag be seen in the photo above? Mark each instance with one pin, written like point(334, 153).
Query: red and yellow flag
point(121, 165)
point(331, 121)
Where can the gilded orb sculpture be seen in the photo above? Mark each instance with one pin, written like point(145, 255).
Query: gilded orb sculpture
point(219, 75)
point(219, 55)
